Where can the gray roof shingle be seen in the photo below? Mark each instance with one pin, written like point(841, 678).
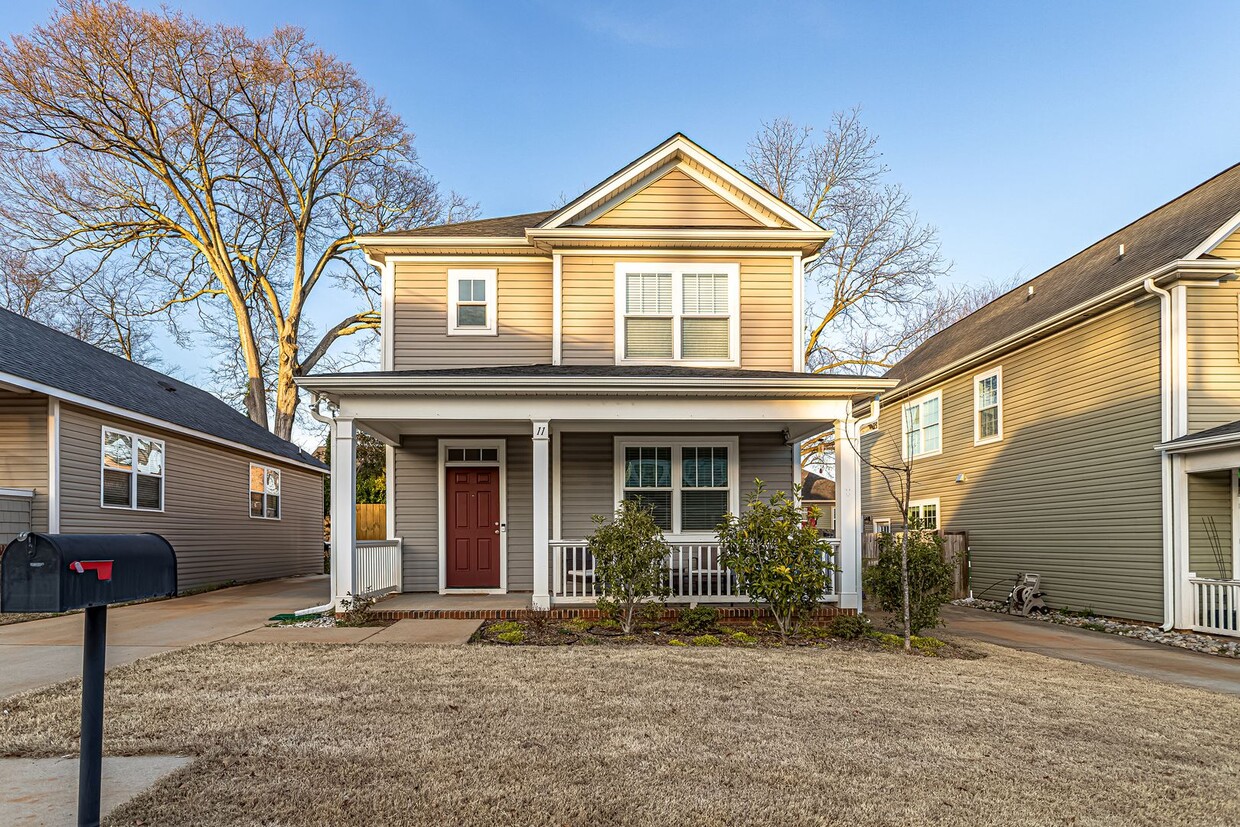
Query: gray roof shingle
point(40, 354)
point(1230, 429)
point(1167, 233)
point(505, 226)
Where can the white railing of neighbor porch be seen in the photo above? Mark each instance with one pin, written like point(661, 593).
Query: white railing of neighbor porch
point(695, 574)
point(1216, 606)
point(376, 567)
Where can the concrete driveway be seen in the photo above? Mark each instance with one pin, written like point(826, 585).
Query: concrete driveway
point(41, 652)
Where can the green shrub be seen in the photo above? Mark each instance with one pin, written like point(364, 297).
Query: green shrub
point(706, 640)
point(676, 642)
point(504, 627)
point(697, 620)
point(929, 578)
point(629, 562)
point(927, 645)
point(778, 557)
point(354, 610)
point(743, 638)
point(849, 627)
point(513, 636)
point(579, 624)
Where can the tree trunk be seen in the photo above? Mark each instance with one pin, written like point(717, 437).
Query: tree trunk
point(904, 586)
point(286, 390)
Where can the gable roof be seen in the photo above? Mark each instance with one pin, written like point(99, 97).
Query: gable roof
point(50, 361)
point(1171, 232)
point(506, 226)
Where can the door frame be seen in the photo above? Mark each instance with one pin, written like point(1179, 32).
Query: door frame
point(441, 468)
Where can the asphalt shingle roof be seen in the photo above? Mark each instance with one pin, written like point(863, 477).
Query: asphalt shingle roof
point(505, 226)
point(1168, 233)
point(40, 354)
point(1230, 429)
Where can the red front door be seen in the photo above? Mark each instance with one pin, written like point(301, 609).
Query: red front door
point(473, 528)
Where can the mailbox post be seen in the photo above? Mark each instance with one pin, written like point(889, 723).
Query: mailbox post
point(64, 572)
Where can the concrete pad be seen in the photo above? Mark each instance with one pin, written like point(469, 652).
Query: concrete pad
point(428, 631)
point(1123, 654)
point(307, 634)
point(28, 667)
point(42, 792)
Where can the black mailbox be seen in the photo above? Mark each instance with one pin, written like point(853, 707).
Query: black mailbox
point(62, 572)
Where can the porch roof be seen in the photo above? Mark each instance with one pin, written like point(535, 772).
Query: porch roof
point(1222, 436)
point(545, 379)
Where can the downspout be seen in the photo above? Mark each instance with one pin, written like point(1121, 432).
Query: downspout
point(329, 421)
point(1168, 430)
point(872, 417)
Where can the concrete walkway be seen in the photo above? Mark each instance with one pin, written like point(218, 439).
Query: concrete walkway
point(428, 632)
point(42, 792)
point(1137, 657)
point(41, 652)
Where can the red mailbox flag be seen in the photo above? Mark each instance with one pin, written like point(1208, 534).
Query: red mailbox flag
point(101, 568)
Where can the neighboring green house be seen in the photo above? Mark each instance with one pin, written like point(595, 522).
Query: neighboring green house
point(1083, 426)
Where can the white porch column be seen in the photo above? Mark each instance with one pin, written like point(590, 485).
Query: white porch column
point(848, 512)
point(343, 511)
point(542, 512)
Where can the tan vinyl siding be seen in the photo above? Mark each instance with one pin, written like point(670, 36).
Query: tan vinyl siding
point(675, 200)
point(14, 518)
point(1228, 247)
point(23, 450)
point(415, 496)
point(1209, 520)
point(589, 316)
point(1073, 490)
point(420, 323)
point(206, 505)
point(1213, 355)
point(587, 466)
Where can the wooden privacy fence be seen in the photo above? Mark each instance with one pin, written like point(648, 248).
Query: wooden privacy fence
point(371, 521)
point(955, 552)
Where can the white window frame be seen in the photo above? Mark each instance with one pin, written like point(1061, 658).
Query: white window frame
point(678, 271)
point(978, 439)
point(732, 443)
point(133, 472)
point(938, 512)
point(882, 525)
point(455, 277)
point(280, 493)
point(904, 425)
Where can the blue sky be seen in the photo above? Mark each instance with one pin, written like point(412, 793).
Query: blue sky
point(1023, 131)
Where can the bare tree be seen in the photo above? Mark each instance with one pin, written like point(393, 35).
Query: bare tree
point(223, 165)
point(874, 279)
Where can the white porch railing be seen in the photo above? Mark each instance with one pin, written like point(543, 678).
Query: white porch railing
point(695, 574)
point(1216, 606)
point(376, 567)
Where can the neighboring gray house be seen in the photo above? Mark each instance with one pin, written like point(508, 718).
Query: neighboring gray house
point(93, 443)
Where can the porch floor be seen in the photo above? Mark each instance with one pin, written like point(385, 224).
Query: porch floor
point(461, 606)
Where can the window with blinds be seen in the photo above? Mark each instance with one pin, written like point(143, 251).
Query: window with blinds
point(132, 471)
point(678, 312)
point(688, 487)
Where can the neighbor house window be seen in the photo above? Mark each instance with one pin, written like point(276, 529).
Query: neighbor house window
point(132, 471)
point(471, 303)
point(923, 431)
point(924, 515)
point(882, 525)
point(677, 312)
point(988, 407)
point(688, 485)
point(264, 492)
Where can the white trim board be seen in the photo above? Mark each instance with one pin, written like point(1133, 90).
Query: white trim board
point(441, 466)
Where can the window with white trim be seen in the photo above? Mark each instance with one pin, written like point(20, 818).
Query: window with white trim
point(988, 407)
point(923, 515)
point(264, 492)
point(677, 312)
point(132, 471)
point(923, 430)
point(688, 486)
point(471, 303)
point(882, 525)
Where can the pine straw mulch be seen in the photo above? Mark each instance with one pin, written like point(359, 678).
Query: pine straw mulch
point(304, 734)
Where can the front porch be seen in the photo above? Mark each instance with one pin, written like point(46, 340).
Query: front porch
point(492, 493)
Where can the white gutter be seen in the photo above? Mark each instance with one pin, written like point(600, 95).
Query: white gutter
point(872, 417)
point(1168, 426)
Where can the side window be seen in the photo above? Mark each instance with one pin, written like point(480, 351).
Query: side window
point(132, 471)
point(922, 421)
point(264, 492)
point(988, 407)
point(924, 515)
point(471, 303)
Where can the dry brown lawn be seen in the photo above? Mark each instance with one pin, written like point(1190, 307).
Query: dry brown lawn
point(390, 735)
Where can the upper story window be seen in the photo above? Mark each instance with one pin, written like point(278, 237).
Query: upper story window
point(132, 471)
point(988, 407)
point(923, 426)
point(471, 303)
point(264, 492)
point(678, 313)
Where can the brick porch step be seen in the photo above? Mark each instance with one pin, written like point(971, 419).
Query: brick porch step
point(727, 614)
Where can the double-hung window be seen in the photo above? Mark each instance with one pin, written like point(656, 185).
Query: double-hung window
point(923, 427)
point(132, 473)
point(923, 515)
point(988, 407)
point(471, 303)
point(678, 312)
point(688, 485)
point(264, 492)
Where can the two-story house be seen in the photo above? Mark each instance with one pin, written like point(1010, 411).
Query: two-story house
point(643, 341)
point(1083, 426)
